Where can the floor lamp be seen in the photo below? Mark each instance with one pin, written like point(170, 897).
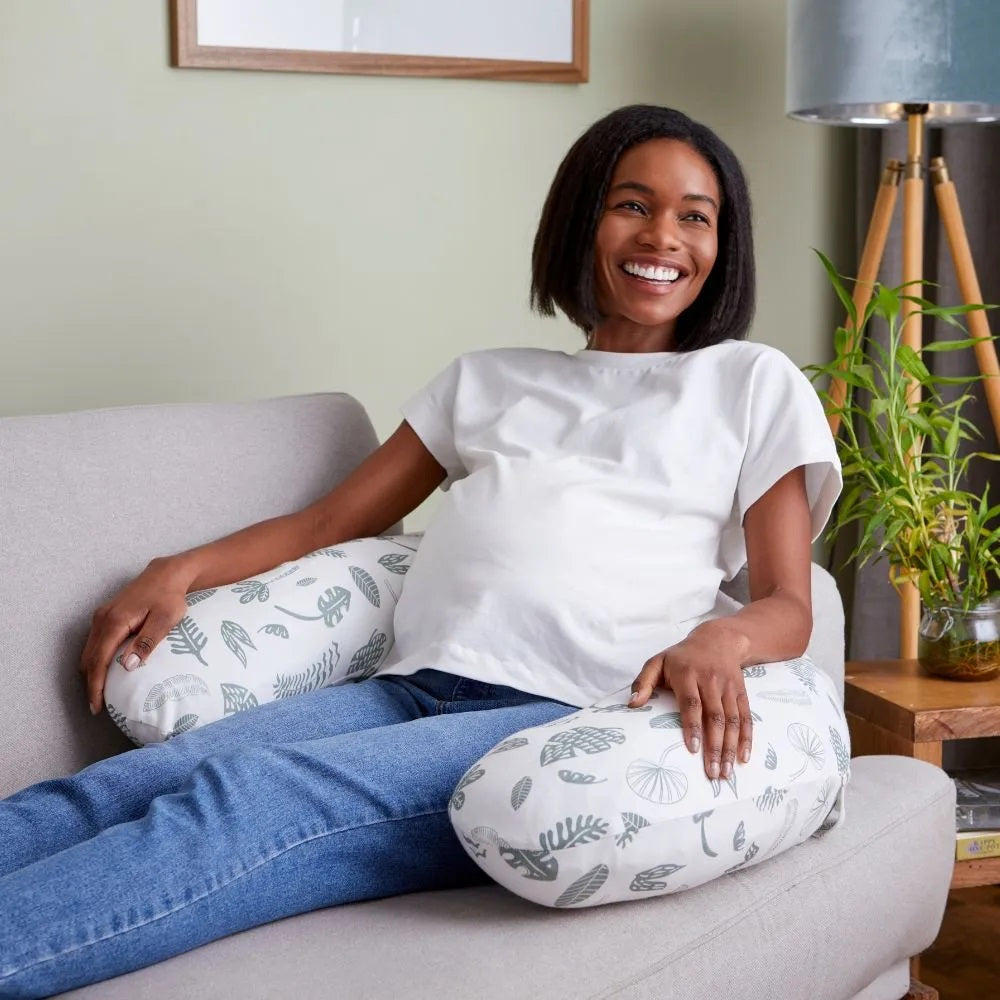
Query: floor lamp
point(925, 62)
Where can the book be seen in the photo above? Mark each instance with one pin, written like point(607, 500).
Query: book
point(977, 795)
point(977, 844)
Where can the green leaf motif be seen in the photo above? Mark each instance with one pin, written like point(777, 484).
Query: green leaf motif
point(621, 707)
point(717, 785)
point(311, 679)
point(119, 719)
point(570, 832)
point(332, 604)
point(771, 760)
point(579, 778)
point(366, 659)
point(755, 671)
point(751, 852)
point(700, 818)
point(198, 596)
point(186, 639)
point(587, 739)
point(333, 553)
point(787, 696)
point(513, 743)
point(770, 799)
point(279, 630)
point(520, 792)
point(364, 582)
point(837, 708)
point(394, 562)
point(306, 581)
point(584, 887)
point(536, 865)
point(670, 720)
point(252, 590)
point(739, 837)
point(841, 752)
point(806, 673)
point(653, 879)
point(458, 796)
point(183, 724)
point(235, 636)
point(236, 698)
point(174, 689)
point(633, 824)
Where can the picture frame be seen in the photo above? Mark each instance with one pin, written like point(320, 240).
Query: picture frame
point(545, 41)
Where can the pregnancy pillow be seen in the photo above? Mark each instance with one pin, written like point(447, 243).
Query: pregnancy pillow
point(316, 621)
point(607, 804)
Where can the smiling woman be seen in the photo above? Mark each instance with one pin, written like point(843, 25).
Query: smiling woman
point(647, 187)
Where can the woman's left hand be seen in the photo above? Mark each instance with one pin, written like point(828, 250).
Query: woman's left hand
point(704, 671)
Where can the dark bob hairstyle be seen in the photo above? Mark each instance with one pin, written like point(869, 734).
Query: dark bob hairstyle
point(562, 261)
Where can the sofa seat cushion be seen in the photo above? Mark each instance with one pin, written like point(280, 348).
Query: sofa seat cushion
point(824, 920)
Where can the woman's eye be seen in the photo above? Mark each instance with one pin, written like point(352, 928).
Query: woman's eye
point(698, 217)
point(633, 206)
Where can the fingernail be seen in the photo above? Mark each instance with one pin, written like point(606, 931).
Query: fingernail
point(745, 756)
point(131, 661)
point(94, 710)
point(713, 770)
point(695, 744)
point(727, 769)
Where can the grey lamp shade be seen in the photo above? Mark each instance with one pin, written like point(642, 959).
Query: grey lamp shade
point(857, 62)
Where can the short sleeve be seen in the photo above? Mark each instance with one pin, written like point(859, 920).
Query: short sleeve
point(431, 414)
point(787, 428)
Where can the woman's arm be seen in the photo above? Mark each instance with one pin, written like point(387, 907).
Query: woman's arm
point(384, 488)
point(704, 670)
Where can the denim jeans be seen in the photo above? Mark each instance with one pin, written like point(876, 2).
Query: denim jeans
point(328, 797)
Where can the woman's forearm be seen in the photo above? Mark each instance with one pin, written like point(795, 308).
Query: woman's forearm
point(773, 628)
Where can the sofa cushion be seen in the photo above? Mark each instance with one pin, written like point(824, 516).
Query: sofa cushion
point(316, 621)
point(608, 805)
point(824, 921)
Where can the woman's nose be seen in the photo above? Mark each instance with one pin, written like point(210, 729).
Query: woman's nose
point(661, 232)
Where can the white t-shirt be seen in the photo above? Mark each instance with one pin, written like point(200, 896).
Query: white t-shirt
point(594, 503)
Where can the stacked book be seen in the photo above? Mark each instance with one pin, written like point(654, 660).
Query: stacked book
point(977, 813)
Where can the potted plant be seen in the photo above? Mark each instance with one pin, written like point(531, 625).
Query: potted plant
point(903, 481)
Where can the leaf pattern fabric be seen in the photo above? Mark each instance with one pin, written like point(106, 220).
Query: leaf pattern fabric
point(640, 817)
point(320, 620)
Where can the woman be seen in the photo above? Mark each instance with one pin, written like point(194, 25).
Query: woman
point(596, 502)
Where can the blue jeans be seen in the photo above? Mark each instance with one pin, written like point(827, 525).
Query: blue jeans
point(329, 797)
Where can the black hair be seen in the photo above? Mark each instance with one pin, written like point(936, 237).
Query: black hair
point(562, 260)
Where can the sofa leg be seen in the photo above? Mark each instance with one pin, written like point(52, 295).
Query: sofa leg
point(920, 992)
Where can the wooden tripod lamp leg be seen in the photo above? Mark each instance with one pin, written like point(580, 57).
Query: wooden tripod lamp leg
point(871, 261)
point(912, 334)
point(968, 283)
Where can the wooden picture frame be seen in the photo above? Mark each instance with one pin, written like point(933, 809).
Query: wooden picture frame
point(220, 18)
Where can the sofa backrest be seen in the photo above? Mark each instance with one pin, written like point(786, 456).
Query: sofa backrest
point(88, 498)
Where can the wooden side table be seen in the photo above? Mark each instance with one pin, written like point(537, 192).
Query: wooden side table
point(893, 706)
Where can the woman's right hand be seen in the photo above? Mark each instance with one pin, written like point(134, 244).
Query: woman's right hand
point(148, 608)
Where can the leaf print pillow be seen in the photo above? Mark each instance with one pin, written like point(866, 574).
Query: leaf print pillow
point(320, 620)
point(607, 804)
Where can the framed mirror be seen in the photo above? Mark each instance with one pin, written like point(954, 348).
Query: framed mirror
point(537, 40)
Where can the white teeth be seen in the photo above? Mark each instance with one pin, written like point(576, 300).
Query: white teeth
point(651, 273)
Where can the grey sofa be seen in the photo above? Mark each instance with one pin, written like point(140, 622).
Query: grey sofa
point(87, 498)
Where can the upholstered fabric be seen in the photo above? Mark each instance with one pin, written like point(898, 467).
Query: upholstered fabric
point(821, 922)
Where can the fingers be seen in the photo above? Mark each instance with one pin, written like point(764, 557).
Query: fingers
point(649, 677)
point(746, 725)
point(731, 731)
point(685, 688)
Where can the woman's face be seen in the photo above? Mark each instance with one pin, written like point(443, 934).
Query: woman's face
point(657, 238)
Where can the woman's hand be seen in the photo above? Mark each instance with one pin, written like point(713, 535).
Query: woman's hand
point(149, 607)
point(705, 673)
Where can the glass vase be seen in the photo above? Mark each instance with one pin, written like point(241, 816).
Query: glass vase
point(961, 645)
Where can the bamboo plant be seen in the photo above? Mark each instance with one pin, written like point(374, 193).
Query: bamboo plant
point(901, 467)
